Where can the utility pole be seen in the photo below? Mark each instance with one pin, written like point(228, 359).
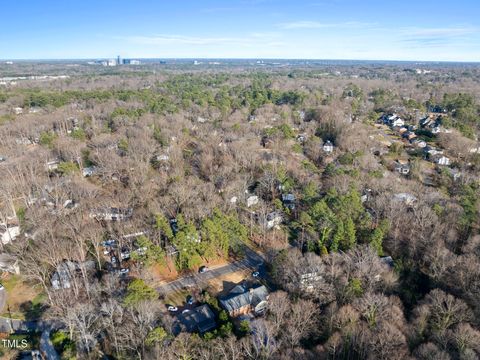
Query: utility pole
point(9, 321)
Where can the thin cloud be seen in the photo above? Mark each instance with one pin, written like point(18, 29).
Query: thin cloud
point(446, 31)
point(307, 24)
point(427, 42)
point(220, 9)
point(266, 35)
point(178, 39)
point(435, 37)
point(267, 39)
point(303, 25)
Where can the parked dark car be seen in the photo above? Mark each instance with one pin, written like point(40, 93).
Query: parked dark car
point(174, 226)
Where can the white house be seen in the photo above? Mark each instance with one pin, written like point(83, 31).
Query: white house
point(301, 114)
point(89, 171)
point(9, 233)
point(393, 120)
point(432, 151)
point(301, 138)
point(112, 214)
point(162, 157)
point(419, 143)
point(52, 165)
point(328, 146)
point(273, 219)
point(406, 198)
point(252, 200)
point(403, 169)
point(398, 122)
point(309, 280)
point(366, 195)
point(442, 160)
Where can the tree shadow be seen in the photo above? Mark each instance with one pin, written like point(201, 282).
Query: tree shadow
point(32, 311)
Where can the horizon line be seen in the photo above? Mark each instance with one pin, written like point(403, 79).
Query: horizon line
point(237, 58)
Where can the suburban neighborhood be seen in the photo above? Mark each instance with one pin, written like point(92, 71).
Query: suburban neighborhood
point(239, 210)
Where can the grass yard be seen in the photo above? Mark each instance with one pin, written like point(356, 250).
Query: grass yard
point(23, 300)
point(177, 298)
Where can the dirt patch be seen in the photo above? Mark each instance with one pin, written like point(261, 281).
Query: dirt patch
point(216, 263)
point(158, 274)
point(275, 239)
point(223, 284)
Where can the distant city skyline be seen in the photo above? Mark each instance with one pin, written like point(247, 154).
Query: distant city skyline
point(241, 29)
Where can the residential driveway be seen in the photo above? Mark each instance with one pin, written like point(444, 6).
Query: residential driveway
point(3, 299)
point(46, 346)
point(252, 261)
point(12, 325)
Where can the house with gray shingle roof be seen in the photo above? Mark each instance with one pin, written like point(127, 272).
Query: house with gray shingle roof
point(201, 319)
point(242, 301)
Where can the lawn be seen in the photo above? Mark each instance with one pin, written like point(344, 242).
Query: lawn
point(177, 298)
point(24, 301)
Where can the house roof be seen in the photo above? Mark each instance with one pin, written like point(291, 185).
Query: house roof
point(240, 297)
point(387, 260)
point(66, 270)
point(273, 215)
point(404, 197)
point(288, 197)
point(7, 259)
point(200, 319)
point(8, 262)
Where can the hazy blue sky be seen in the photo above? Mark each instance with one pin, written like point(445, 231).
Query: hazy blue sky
point(323, 29)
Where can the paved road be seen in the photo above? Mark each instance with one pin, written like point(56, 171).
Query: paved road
point(252, 260)
point(46, 346)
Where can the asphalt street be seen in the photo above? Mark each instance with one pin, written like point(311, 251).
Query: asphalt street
point(253, 261)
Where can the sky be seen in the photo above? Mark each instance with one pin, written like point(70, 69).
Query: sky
point(418, 30)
